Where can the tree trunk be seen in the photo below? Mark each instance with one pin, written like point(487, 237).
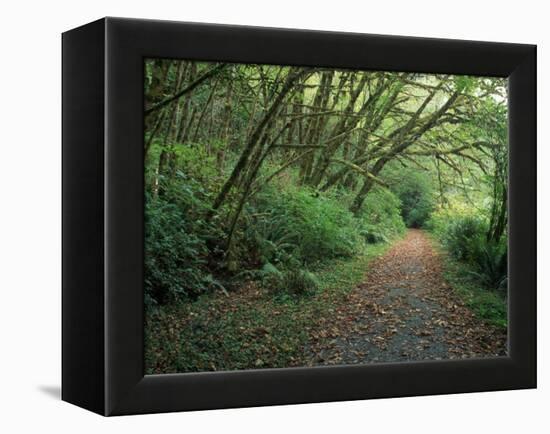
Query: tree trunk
point(255, 137)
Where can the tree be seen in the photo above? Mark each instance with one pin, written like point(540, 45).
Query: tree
point(339, 129)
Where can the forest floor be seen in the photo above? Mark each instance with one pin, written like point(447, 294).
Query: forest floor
point(392, 303)
point(404, 311)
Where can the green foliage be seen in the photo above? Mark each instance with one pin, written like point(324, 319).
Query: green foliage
point(176, 237)
point(414, 189)
point(464, 83)
point(465, 238)
point(288, 229)
point(196, 159)
point(290, 281)
point(296, 226)
point(491, 261)
point(463, 235)
point(380, 217)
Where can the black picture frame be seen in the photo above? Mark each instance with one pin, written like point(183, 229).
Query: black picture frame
point(103, 235)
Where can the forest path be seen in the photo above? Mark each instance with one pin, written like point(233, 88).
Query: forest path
point(403, 311)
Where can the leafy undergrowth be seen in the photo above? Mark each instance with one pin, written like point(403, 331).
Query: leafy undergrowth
point(251, 328)
point(487, 304)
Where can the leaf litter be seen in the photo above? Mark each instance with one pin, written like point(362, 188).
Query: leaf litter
point(403, 311)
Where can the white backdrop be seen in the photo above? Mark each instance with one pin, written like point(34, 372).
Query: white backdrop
point(30, 179)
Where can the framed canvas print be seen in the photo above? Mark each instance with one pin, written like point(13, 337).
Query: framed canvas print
point(257, 216)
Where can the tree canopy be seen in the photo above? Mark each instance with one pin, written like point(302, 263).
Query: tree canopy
point(338, 128)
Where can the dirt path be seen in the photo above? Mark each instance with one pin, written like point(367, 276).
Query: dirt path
point(403, 311)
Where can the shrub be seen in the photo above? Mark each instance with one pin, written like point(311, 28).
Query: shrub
point(176, 237)
point(290, 281)
point(464, 236)
point(380, 217)
point(491, 261)
point(197, 162)
point(414, 189)
point(295, 226)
